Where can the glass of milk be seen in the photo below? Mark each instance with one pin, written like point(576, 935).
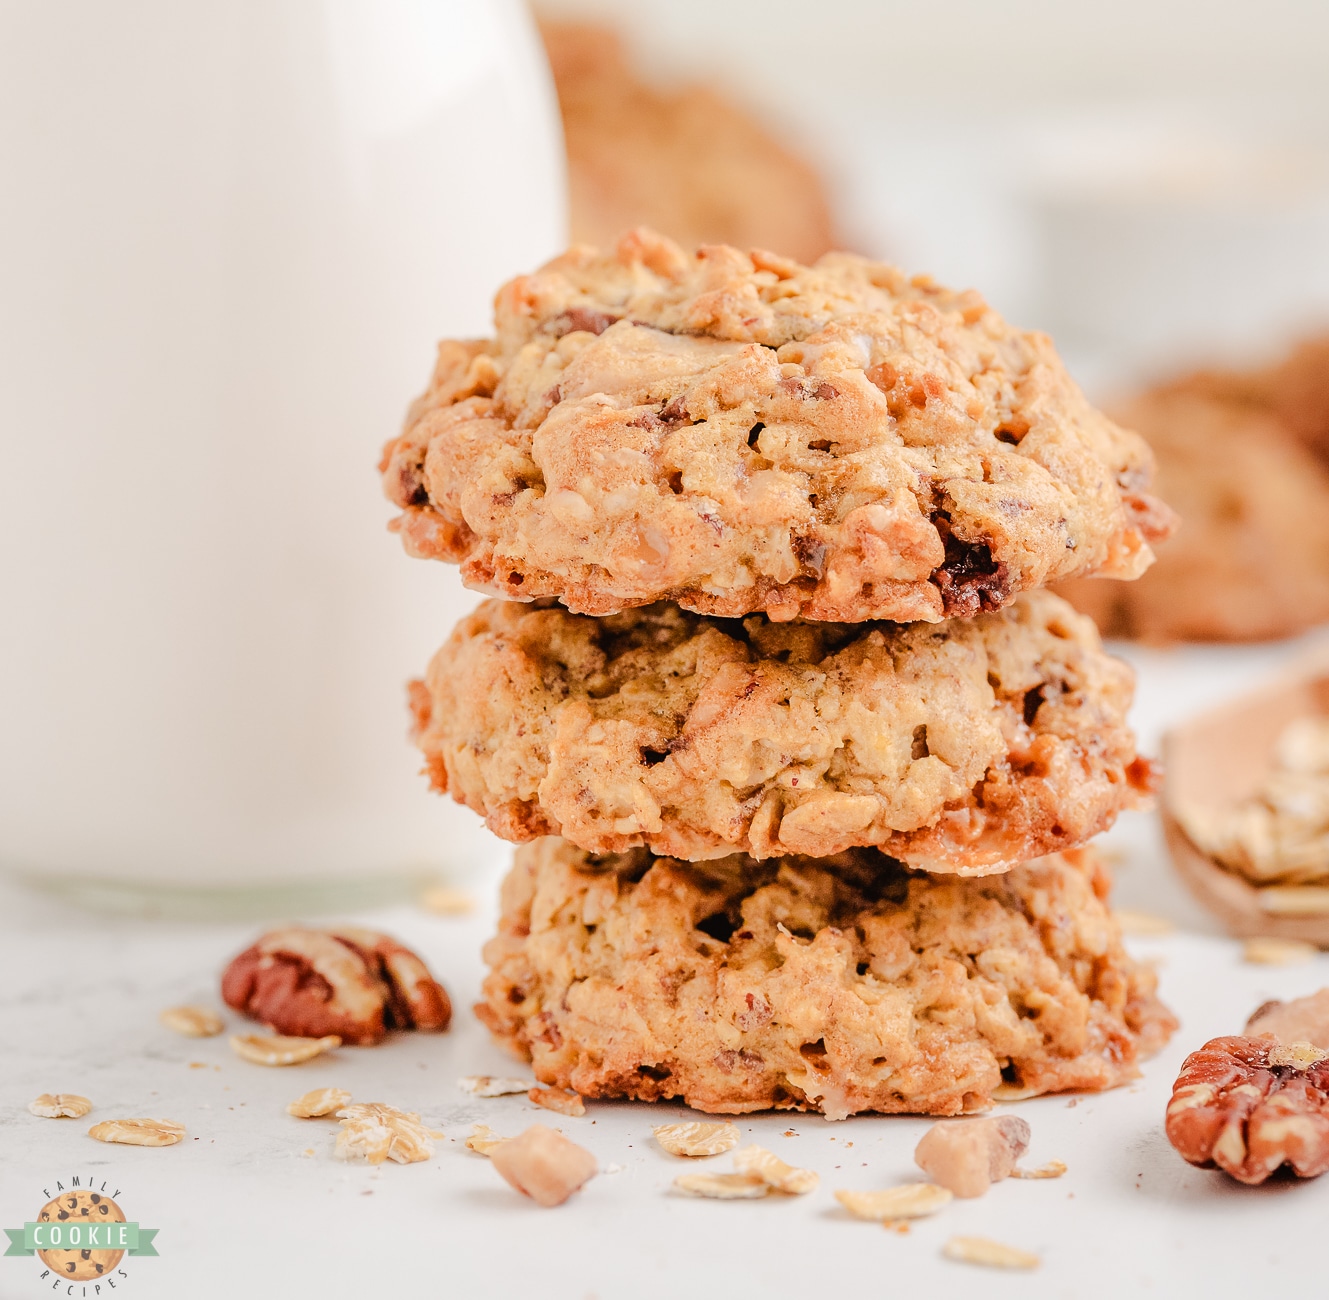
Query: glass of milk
point(231, 236)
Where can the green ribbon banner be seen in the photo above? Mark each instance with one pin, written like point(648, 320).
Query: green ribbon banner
point(129, 1237)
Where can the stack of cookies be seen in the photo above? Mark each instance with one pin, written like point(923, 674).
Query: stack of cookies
point(801, 755)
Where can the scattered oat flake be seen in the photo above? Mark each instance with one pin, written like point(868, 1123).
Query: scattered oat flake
point(722, 1187)
point(277, 1049)
point(192, 1022)
point(988, 1253)
point(1143, 924)
point(613, 1167)
point(60, 1105)
point(308, 1151)
point(1277, 952)
point(1053, 1169)
point(696, 1139)
point(774, 1172)
point(445, 901)
point(376, 1132)
point(558, 1099)
point(322, 1101)
point(909, 1201)
point(483, 1139)
point(488, 1085)
point(138, 1132)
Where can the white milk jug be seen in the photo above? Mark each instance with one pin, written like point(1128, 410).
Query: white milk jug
point(230, 236)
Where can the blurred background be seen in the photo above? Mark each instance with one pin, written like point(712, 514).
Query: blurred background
point(233, 234)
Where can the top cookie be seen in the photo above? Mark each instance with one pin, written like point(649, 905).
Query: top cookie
point(736, 433)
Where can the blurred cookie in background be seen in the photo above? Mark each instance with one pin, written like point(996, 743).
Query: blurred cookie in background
point(1294, 391)
point(685, 161)
point(1251, 559)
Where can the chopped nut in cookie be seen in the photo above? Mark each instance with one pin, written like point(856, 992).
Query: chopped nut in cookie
point(908, 1201)
point(488, 1085)
point(967, 1155)
point(276, 1049)
point(192, 1022)
point(696, 1138)
point(138, 1132)
point(1250, 1106)
point(354, 983)
point(723, 1187)
point(60, 1105)
point(374, 1132)
point(321, 1101)
point(773, 1171)
point(543, 1165)
point(988, 1253)
point(558, 1099)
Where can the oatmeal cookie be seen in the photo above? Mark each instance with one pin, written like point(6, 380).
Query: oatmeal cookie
point(1252, 559)
point(960, 747)
point(739, 433)
point(684, 160)
point(841, 985)
point(1294, 391)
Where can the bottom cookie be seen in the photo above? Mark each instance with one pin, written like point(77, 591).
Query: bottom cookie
point(838, 984)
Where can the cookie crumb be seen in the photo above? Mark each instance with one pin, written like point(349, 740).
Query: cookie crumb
point(1053, 1169)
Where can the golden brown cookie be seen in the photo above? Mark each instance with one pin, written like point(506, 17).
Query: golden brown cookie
point(960, 747)
point(1251, 560)
point(841, 985)
point(1294, 391)
point(82, 1208)
point(736, 432)
point(686, 160)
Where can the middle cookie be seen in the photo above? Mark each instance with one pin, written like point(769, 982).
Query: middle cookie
point(965, 746)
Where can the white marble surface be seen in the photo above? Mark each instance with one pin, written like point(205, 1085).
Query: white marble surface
point(242, 1208)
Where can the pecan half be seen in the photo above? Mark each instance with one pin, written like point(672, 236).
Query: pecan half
point(1250, 1106)
point(354, 983)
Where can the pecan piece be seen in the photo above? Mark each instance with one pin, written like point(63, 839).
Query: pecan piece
point(354, 983)
point(966, 1155)
point(1250, 1106)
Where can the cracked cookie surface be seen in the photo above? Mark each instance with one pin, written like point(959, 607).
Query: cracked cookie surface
point(738, 433)
point(841, 985)
point(961, 747)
